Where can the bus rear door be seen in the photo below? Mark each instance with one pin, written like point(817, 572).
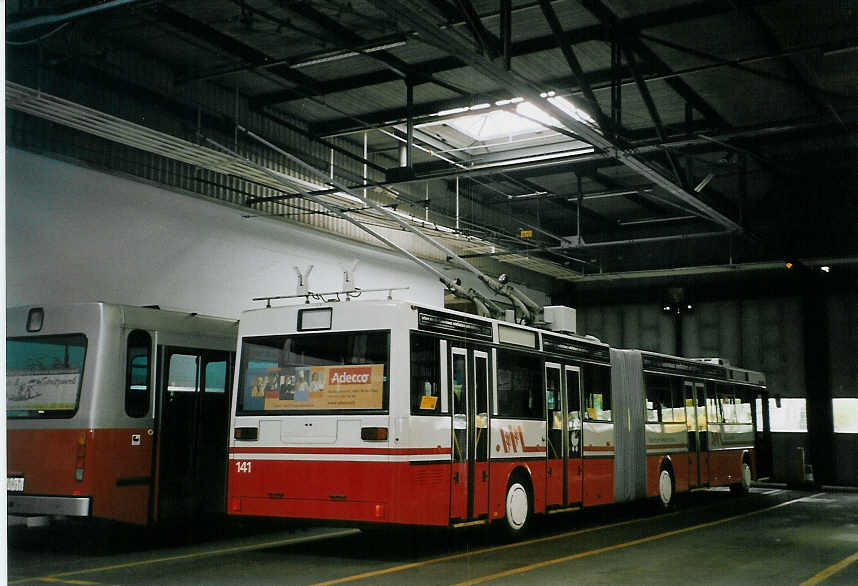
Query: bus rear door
point(695, 416)
point(563, 401)
point(574, 437)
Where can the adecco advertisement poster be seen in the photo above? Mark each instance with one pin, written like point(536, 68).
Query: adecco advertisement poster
point(316, 388)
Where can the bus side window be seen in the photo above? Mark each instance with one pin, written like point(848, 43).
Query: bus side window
point(678, 399)
point(658, 399)
point(215, 377)
point(425, 375)
point(715, 403)
point(742, 405)
point(519, 385)
point(597, 393)
point(137, 373)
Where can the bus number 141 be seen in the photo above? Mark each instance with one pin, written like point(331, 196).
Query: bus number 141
point(243, 467)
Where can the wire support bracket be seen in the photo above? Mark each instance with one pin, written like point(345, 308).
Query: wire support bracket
point(330, 296)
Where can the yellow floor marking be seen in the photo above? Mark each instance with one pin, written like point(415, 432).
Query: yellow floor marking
point(188, 556)
point(830, 571)
point(583, 554)
point(61, 581)
point(457, 556)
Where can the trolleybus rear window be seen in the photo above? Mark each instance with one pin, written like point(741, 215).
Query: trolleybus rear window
point(314, 373)
point(43, 375)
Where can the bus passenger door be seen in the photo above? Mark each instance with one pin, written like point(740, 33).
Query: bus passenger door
point(702, 434)
point(695, 417)
point(192, 432)
point(555, 483)
point(212, 435)
point(574, 464)
point(459, 407)
point(478, 419)
point(762, 435)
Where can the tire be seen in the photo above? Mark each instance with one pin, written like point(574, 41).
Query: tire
point(518, 509)
point(743, 487)
point(666, 489)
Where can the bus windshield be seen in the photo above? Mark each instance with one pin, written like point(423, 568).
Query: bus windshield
point(314, 373)
point(43, 375)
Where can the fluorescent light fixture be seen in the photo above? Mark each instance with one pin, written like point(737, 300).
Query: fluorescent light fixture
point(337, 56)
point(825, 269)
point(480, 107)
point(452, 111)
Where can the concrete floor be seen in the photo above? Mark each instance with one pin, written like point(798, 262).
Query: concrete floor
point(772, 536)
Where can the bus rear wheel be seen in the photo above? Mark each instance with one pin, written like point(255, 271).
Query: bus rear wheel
point(518, 509)
point(665, 488)
point(744, 486)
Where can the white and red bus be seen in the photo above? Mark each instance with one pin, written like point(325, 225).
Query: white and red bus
point(391, 412)
point(116, 412)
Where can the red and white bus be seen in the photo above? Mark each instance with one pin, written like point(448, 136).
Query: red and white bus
point(391, 412)
point(116, 412)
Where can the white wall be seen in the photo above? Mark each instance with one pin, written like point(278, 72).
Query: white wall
point(74, 234)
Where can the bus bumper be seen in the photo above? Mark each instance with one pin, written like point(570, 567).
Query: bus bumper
point(49, 505)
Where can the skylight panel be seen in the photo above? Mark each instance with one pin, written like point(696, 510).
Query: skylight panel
point(526, 119)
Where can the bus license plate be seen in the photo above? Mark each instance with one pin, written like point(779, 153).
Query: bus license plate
point(15, 483)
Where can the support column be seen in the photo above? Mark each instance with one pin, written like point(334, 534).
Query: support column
point(820, 417)
point(409, 136)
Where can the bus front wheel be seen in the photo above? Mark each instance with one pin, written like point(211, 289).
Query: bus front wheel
point(518, 508)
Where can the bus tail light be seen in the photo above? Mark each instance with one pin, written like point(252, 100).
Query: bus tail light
point(246, 433)
point(80, 457)
point(373, 433)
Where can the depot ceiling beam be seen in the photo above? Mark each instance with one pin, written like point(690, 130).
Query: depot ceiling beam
point(601, 221)
point(597, 80)
point(604, 244)
point(678, 139)
point(232, 46)
point(630, 38)
point(633, 194)
point(774, 45)
point(486, 40)
point(334, 33)
point(596, 32)
point(653, 114)
point(575, 66)
point(410, 15)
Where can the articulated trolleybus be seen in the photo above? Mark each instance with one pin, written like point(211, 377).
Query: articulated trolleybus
point(117, 412)
point(390, 412)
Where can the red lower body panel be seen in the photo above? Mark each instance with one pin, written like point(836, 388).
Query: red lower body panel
point(725, 467)
point(598, 481)
point(116, 470)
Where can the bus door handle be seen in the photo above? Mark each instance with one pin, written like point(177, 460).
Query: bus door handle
point(456, 477)
point(485, 475)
